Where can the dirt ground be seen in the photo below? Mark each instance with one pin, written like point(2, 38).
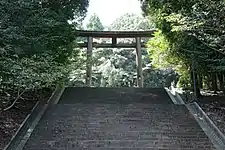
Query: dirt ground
point(214, 106)
point(10, 120)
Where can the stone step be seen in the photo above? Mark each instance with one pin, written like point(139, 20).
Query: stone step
point(113, 126)
point(135, 107)
point(155, 143)
point(137, 135)
point(114, 95)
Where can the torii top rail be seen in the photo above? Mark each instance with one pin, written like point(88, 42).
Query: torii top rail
point(114, 35)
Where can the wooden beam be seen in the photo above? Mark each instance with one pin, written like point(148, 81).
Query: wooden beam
point(89, 61)
point(139, 63)
point(114, 41)
point(105, 45)
point(117, 34)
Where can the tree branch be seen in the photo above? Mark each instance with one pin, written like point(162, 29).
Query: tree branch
point(223, 53)
point(17, 98)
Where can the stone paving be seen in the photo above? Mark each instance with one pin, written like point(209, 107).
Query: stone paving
point(97, 119)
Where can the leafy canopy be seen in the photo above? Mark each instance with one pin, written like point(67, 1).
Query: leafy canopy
point(36, 42)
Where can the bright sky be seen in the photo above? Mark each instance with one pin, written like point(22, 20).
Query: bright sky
point(109, 10)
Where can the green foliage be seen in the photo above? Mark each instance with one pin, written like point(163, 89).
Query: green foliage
point(36, 41)
point(206, 23)
point(116, 66)
point(131, 22)
point(35, 72)
point(163, 56)
point(94, 24)
point(159, 50)
point(190, 31)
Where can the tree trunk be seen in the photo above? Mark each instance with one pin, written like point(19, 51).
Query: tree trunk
point(195, 84)
point(198, 93)
point(200, 81)
point(209, 82)
point(192, 79)
point(1, 107)
point(214, 83)
point(221, 81)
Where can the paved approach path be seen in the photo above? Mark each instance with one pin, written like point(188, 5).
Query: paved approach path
point(111, 118)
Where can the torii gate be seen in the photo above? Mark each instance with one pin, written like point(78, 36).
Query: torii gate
point(114, 35)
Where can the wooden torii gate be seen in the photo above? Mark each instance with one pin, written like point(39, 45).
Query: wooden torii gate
point(114, 35)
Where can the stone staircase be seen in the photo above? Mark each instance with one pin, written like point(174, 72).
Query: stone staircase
point(117, 118)
point(115, 95)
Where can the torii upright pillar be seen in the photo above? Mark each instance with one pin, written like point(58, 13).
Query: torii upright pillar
point(139, 63)
point(89, 61)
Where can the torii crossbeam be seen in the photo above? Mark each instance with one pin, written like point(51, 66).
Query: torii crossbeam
point(114, 35)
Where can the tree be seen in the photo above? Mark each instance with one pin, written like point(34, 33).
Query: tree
point(206, 22)
point(36, 43)
point(193, 31)
point(94, 23)
point(131, 22)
